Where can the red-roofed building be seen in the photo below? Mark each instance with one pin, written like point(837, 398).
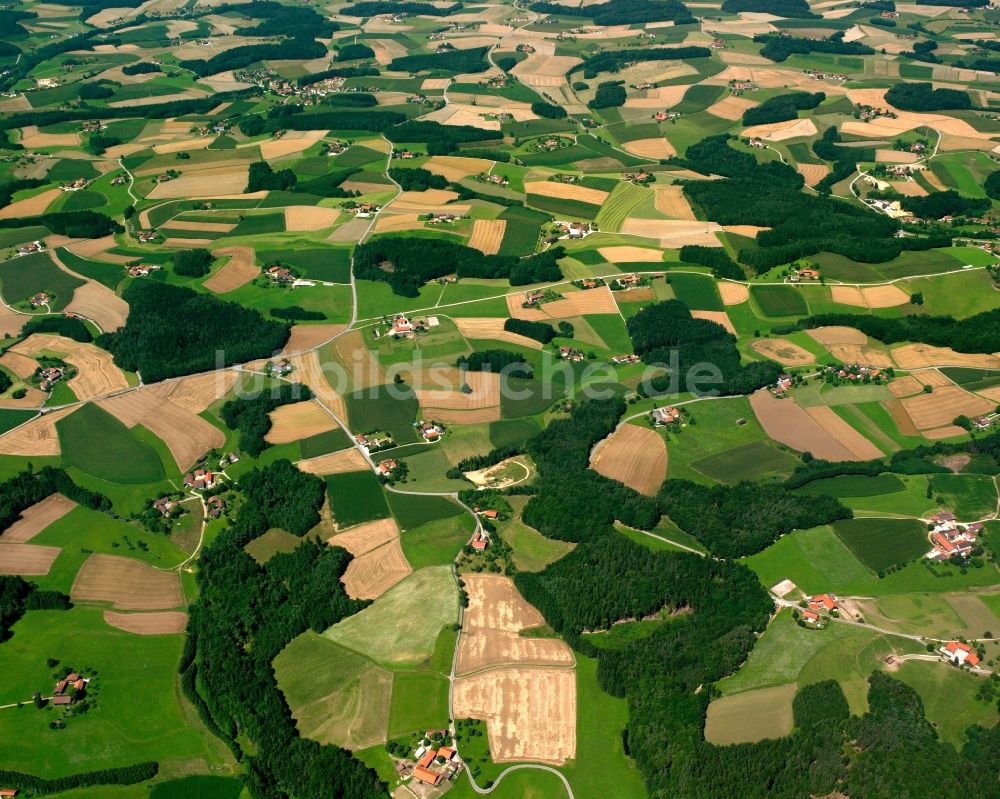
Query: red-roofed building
point(5, 792)
point(426, 776)
point(823, 602)
point(960, 654)
point(446, 752)
point(427, 759)
point(489, 513)
point(809, 617)
point(478, 542)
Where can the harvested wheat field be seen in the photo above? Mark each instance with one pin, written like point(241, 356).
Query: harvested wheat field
point(627, 254)
point(813, 173)
point(32, 400)
point(11, 321)
point(32, 138)
point(848, 295)
point(167, 622)
point(197, 392)
point(945, 403)
point(347, 460)
point(565, 191)
point(288, 145)
point(491, 329)
point(731, 107)
point(306, 337)
point(852, 353)
point(899, 416)
point(487, 235)
point(580, 303)
point(838, 335)
point(186, 434)
point(650, 148)
point(641, 294)
point(514, 309)
point(544, 70)
point(530, 713)
point(99, 304)
point(31, 206)
point(182, 145)
point(432, 201)
point(435, 83)
point(309, 370)
point(896, 156)
point(788, 423)
point(366, 537)
point(21, 365)
point(370, 575)
point(351, 231)
point(783, 351)
point(451, 416)
point(733, 293)
point(904, 386)
point(485, 394)
point(948, 431)
point(197, 184)
point(28, 560)
point(885, 296)
point(206, 227)
point(127, 584)
point(394, 223)
point(35, 437)
point(781, 131)
point(491, 627)
point(455, 167)
point(719, 317)
point(674, 233)
point(185, 243)
point(308, 218)
point(36, 518)
point(916, 356)
point(363, 367)
point(298, 420)
point(97, 375)
point(239, 270)
point(635, 456)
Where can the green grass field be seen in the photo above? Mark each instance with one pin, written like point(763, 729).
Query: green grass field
point(754, 461)
point(413, 511)
point(96, 442)
point(622, 201)
point(106, 274)
point(198, 787)
point(377, 409)
point(118, 730)
point(429, 595)
point(336, 696)
point(266, 546)
point(970, 496)
point(356, 497)
point(698, 292)
point(330, 264)
point(324, 443)
point(24, 277)
point(10, 419)
point(437, 542)
point(751, 716)
point(778, 301)
point(532, 550)
point(419, 702)
point(854, 486)
point(882, 543)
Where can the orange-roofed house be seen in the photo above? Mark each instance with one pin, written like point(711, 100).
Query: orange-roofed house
point(959, 653)
point(489, 514)
point(4, 792)
point(427, 759)
point(446, 752)
point(809, 617)
point(823, 602)
point(427, 776)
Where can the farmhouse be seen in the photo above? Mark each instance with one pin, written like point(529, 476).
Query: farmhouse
point(430, 431)
point(480, 541)
point(666, 415)
point(386, 467)
point(145, 236)
point(74, 185)
point(810, 617)
point(141, 270)
point(30, 247)
point(65, 699)
point(783, 383)
point(279, 368)
point(164, 505)
point(48, 377)
point(200, 478)
point(280, 274)
point(570, 354)
point(823, 602)
point(5, 792)
point(489, 513)
point(427, 776)
point(41, 298)
point(402, 327)
point(960, 654)
point(626, 282)
point(949, 540)
point(624, 359)
point(216, 506)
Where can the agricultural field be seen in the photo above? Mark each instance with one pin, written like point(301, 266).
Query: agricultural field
point(475, 233)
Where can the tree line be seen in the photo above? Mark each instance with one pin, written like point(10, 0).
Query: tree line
point(24, 489)
point(494, 360)
point(778, 48)
point(250, 415)
point(416, 261)
point(782, 107)
point(615, 60)
point(622, 12)
point(924, 97)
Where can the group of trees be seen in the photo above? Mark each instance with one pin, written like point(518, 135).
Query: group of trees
point(415, 261)
point(245, 615)
point(548, 110)
point(452, 61)
point(608, 95)
point(173, 331)
point(615, 60)
point(715, 258)
point(945, 203)
point(239, 57)
point(10, 187)
point(141, 68)
point(372, 8)
point(71, 327)
point(250, 415)
point(782, 107)
point(778, 48)
point(123, 775)
point(417, 179)
point(623, 12)
point(262, 177)
point(75, 224)
point(790, 9)
point(494, 360)
point(666, 334)
point(354, 52)
point(539, 331)
point(924, 97)
point(193, 263)
point(800, 224)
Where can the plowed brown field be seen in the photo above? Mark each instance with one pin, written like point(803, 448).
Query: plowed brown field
point(28, 560)
point(783, 351)
point(636, 456)
point(127, 584)
point(163, 623)
point(297, 421)
point(347, 460)
point(36, 518)
point(239, 270)
point(487, 235)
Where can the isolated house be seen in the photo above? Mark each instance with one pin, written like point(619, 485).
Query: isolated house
point(666, 415)
point(960, 654)
point(823, 602)
point(810, 617)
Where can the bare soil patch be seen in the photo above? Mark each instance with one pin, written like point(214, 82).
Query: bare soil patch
point(485, 394)
point(859, 446)
point(487, 235)
point(530, 713)
point(309, 218)
point(896, 156)
point(544, 70)
point(99, 304)
point(635, 456)
point(781, 131)
point(36, 518)
point(32, 138)
point(28, 560)
point(788, 423)
point(394, 223)
point(885, 296)
point(127, 584)
point(198, 184)
point(239, 270)
point(364, 368)
point(851, 353)
point(167, 622)
point(733, 293)
point(948, 431)
point(21, 365)
point(939, 408)
point(674, 233)
point(848, 295)
point(289, 145)
point(298, 420)
point(581, 303)
point(783, 351)
point(455, 167)
point(347, 460)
